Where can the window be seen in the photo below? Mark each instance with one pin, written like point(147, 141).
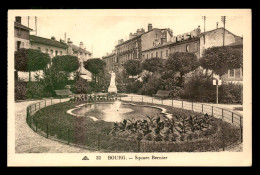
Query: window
point(147, 56)
point(161, 53)
point(232, 73)
point(151, 55)
point(166, 53)
point(51, 52)
point(156, 36)
point(46, 50)
point(19, 32)
point(60, 52)
point(18, 45)
point(187, 48)
point(56, 52)
point(143, 56)
point(195, 47)
point(156, 54)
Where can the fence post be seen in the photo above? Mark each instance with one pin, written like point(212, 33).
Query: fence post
point(68, 136)
point(47, 131)
point(172, 101)
point(98, 142)
point(139, 145)
point(35, 107)
point(202, 107)
point(162, 101)
point(36, 126)
point(232, 117)
point(51, 100)
point(60, 99)
point(192, 106)
point(152, 100)
point(131, 98)
point(182, 104)
point(241, 129)
point(39, 105)
point(222, 113)
point(212, 110)
point(142, 100)
point(45, 102)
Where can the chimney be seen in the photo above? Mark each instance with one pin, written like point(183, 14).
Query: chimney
point(81, 45)
point(18, 19)
point(217, 24)
point(150, 27)
point(70, 51)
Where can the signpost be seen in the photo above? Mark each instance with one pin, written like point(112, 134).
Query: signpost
point(217, 83)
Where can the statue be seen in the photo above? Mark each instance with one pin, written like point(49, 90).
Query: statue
point(112, 86)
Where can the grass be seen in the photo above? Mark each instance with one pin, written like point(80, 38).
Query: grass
point(95, 134)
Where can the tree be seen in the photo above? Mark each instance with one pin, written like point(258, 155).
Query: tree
point(95, 66)
point(133, 67)
point(220, 59)
point(27, 60)
point(153, 64)
point(67, 63)
point(81, 86)
point(182, 62)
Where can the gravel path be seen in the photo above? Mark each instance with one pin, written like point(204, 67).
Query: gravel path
point(27, 141)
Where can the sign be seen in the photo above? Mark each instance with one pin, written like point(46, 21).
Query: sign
point(217, 82)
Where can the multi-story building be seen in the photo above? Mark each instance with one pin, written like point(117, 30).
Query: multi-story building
point(21, 34)
point(21, 39)
point(49, 46)
point(130, 49)
point(111, 61)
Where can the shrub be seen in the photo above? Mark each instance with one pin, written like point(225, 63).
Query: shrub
point(230, 93)
point(134, 86)
point(35, 90)
point(151, 87)
point(81, 86)
point(20, 90)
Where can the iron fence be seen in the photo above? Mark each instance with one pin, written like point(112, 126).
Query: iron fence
point(100, 141)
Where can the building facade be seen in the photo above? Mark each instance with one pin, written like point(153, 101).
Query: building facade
point(21, 34)
point(111, 62)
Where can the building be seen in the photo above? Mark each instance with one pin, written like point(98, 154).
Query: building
point(111, 61)
point(130, 49)
point(21, 34)
point(49, 46)
point(234, 75)
point(83, 55)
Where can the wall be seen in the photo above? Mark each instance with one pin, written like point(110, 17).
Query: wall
point(158, 50)
point(215, 38)
point(24, 34)
point(194, 47)
point(44, 47)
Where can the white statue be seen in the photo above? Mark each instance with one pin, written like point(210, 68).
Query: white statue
point(112, 86)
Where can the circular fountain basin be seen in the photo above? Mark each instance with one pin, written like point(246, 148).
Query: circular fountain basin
point(116, 111)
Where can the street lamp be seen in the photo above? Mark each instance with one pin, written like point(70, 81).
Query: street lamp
point(216, 83)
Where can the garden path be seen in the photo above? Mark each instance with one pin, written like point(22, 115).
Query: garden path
point(27, 141)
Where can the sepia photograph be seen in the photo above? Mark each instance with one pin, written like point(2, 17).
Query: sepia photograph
point(129, 87)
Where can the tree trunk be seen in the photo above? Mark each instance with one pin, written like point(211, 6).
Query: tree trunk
point(29, 76)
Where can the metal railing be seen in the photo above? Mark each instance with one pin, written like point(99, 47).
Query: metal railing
point(99, 141)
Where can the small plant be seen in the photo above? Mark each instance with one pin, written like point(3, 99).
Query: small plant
point(193, 123)
point(182, 124)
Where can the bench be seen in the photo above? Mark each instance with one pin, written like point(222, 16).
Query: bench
point(162, 94)
point(63, 93)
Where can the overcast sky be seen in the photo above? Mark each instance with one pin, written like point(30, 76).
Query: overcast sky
point(102, 31)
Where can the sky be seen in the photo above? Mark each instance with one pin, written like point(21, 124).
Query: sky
point(99, 33)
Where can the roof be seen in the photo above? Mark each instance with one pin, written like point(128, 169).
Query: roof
point(63, 92)
point(18, 25)
point(218, 29)
point(76, 48)
point(49, 42)
point(109, 55)
point(173, 44)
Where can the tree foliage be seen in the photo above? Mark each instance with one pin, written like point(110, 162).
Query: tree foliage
point(220, 59)
point(27, 60)
point(133, 67)
point(95, 66)
point(67, 63)
point(182, 62)
point(153, 64)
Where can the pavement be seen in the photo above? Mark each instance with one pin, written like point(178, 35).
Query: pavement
point(27, 141)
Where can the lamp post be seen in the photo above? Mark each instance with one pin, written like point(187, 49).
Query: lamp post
point(216, 83)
